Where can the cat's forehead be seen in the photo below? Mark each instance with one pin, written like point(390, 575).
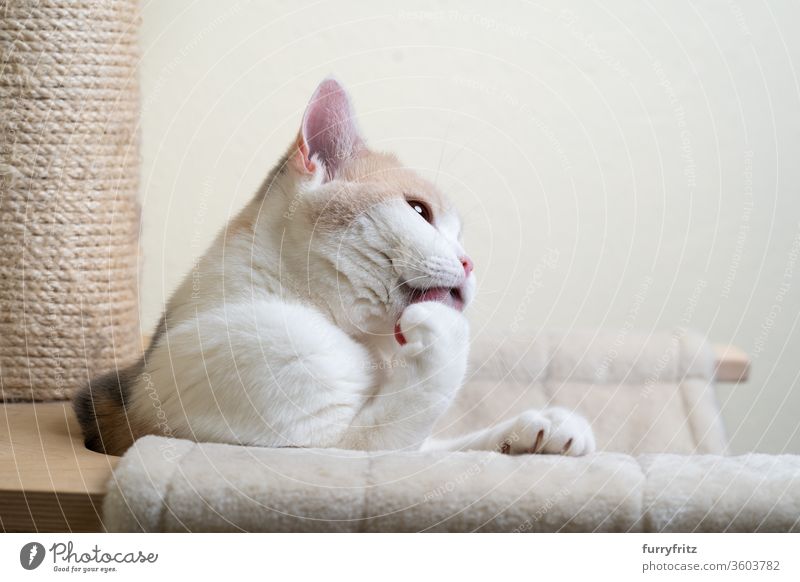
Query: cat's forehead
point(369, 180)
point(388, 178)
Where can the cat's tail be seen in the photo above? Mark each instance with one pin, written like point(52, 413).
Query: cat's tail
point(101, 411)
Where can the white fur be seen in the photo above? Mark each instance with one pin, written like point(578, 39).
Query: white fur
point(283, 334)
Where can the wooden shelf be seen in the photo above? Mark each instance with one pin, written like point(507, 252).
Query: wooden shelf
point(733, 365)
point(48, 480)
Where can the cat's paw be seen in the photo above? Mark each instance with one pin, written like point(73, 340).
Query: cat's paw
point(431, 326)
point(523, 435)
point(552, 430)
point(570, 433)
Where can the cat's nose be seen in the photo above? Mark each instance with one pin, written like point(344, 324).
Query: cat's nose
point(466, 262)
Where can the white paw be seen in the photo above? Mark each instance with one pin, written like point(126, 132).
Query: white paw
point(552, 430)
point(525, 434)
point(570, 433)
point(433, 327)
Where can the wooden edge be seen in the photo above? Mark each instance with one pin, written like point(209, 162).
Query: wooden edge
point(48, 480)
point(39, 511)
point(732, 364)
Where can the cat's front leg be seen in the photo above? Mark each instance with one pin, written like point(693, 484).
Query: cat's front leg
point(552, 430)
point(429, 369)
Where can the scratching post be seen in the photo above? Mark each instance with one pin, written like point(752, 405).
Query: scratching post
point(69, 216)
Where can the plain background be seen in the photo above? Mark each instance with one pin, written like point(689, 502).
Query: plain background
point(631, 165)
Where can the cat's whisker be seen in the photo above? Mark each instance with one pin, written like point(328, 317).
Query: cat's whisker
point(407, 281)
point(413, 266)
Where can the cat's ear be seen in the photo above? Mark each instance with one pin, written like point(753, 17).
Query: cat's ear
point(329, 134)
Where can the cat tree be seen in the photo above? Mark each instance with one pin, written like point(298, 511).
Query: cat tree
point(69, 217)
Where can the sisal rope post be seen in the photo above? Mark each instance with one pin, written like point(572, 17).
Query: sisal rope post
point(69, 176)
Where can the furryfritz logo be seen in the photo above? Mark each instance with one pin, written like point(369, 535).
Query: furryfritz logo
point(31, 555)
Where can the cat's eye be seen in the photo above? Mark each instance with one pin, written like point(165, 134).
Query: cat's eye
point(422, 209)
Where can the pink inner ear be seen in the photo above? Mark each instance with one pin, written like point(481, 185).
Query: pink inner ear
point(329, 130)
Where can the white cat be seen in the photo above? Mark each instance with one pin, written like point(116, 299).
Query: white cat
point(326, 314)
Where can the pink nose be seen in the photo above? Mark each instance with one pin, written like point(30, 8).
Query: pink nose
point(466, 262)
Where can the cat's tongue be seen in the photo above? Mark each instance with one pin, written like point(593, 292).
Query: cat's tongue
point(448, 295)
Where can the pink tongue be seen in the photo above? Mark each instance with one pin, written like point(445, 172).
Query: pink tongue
point(435, 294)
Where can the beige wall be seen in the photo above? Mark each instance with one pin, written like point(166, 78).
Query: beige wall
point(631, 167)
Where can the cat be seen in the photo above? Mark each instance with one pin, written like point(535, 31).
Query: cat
point(328, 313)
